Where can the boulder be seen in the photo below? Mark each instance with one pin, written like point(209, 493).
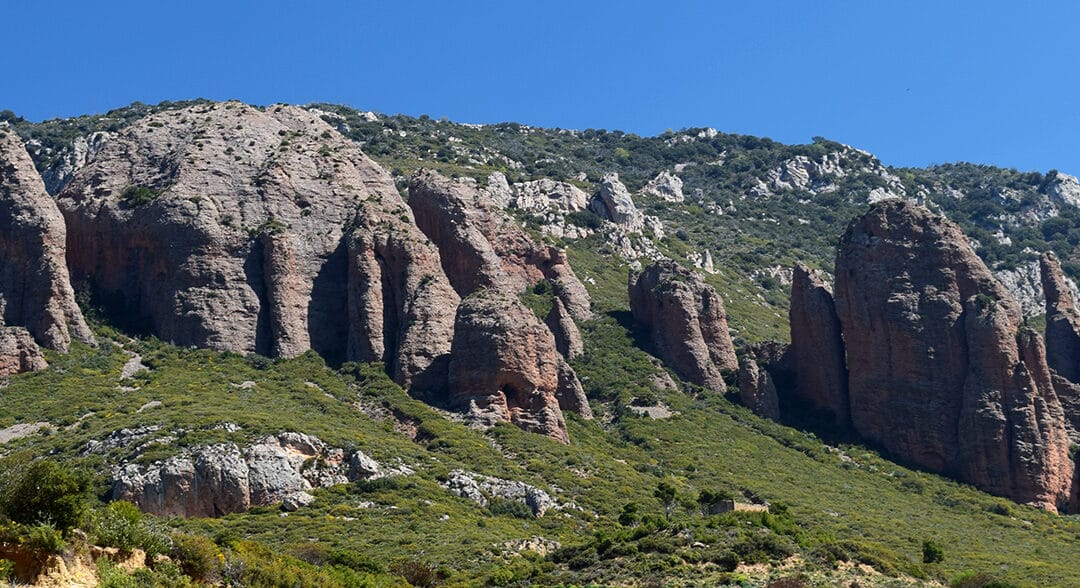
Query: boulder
point(665, 186)
point(35, 288)
point(217, 480)
point(613, 202)
point(935, 373)
point(685, 321)
point(18, 352)
point(817, 346)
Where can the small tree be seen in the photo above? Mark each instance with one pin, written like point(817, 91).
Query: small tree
point(932, 552)
point(665, 492)
point(629, 515)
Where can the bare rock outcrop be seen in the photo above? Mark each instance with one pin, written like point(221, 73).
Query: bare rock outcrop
point(757, 390)
point(817, 345)
point(35, 289)
point(614, 203)
point(221, 479)
point(686, 321)
point(226, 226)
point(1062, 320)
point(935, 373)
point(504, 365)
point(482, 247)
point(666, 186)
point(18, 352)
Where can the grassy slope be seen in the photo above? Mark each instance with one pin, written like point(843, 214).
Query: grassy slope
point(883, 511)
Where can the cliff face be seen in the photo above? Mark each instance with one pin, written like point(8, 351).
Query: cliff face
point(229, 227)
point(818, 346)
point(505, 364)
point(936, 375)
point(1062, 320)
point(686, 321)
point(35, 290)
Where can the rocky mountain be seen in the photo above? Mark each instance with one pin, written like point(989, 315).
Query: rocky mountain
point(522, 321)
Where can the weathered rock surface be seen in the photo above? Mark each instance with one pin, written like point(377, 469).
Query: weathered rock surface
point(614, 203)
point(686, 321)
point(504, 365)
point(483, 248)
point(757, 390)
point(567, 335)
point(666, 186)
point(235, 228)
point(935, 373)
point(1063, 189)
point(1062, 320)
point(221, 479)
point(71, 158)
point(18, 352)
point(1024, 282)
point(481, 489)
point(35, 289)
point(817, 345)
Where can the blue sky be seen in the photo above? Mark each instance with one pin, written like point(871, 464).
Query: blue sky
point(914, 82)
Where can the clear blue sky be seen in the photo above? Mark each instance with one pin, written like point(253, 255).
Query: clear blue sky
point(915, 82)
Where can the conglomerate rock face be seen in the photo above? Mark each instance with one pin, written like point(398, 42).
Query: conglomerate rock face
point(935, 371)
point(504, 365)
point(35, 290)
point(234, 228)
point(686, 321)
point(482, 247)
point(1062, 320)
point(817, 345)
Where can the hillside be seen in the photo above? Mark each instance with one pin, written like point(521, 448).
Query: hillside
point(414, 476)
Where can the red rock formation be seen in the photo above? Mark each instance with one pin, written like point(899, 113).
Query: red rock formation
point(401, 306)
point(686, 321)
point(1062, 341)
point(567, 335)
point(817, 346)
point(757, 390)
point(935, 373)
point(1062, 321)
point(482, 247)
point(504, 365)
point(35, 291)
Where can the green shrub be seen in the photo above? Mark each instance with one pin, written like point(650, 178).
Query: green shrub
point(41, 491)
point(513, 508)
point(932, 552)
point(135, 196)
point(417, 573)
point(198, 557)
